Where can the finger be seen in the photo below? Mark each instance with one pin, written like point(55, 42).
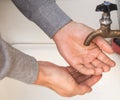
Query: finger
point(98, 64)
point(89, 65)
point(77, 75)
point(103, 58)
point(97, 70)
point(84, 70)
point(103, 44)
point(71, 69)
point(93, 80)
point(81, 79)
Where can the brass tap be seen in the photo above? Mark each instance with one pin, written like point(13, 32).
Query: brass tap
point(105, 23)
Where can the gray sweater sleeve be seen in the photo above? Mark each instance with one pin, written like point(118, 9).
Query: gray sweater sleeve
point(45, 13)
point(17, 65)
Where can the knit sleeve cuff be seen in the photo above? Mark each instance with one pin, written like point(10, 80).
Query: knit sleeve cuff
point(17, 65)
point(50, 18)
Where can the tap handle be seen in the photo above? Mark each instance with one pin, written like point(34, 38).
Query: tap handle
point(106, 7)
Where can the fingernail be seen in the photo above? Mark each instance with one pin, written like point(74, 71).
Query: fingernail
point(89, 90)
point(113, 64)
point(106, 69)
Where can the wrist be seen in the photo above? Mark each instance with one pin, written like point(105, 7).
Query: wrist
point(41, 75)
point(64, 30)
point(45, 73)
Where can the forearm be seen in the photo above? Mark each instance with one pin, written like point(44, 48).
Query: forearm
point(17, 65)
point(45, 13)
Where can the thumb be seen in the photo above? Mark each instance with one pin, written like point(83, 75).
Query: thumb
point(103, 44)
point(82, 89)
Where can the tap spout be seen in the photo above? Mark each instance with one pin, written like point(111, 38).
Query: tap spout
point(114, 34)
point(103, 33)
point(91, 36)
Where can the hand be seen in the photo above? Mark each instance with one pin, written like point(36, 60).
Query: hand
point(66, 81)
point(88, 60)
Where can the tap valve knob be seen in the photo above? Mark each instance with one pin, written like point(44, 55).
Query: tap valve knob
point(106, 7)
